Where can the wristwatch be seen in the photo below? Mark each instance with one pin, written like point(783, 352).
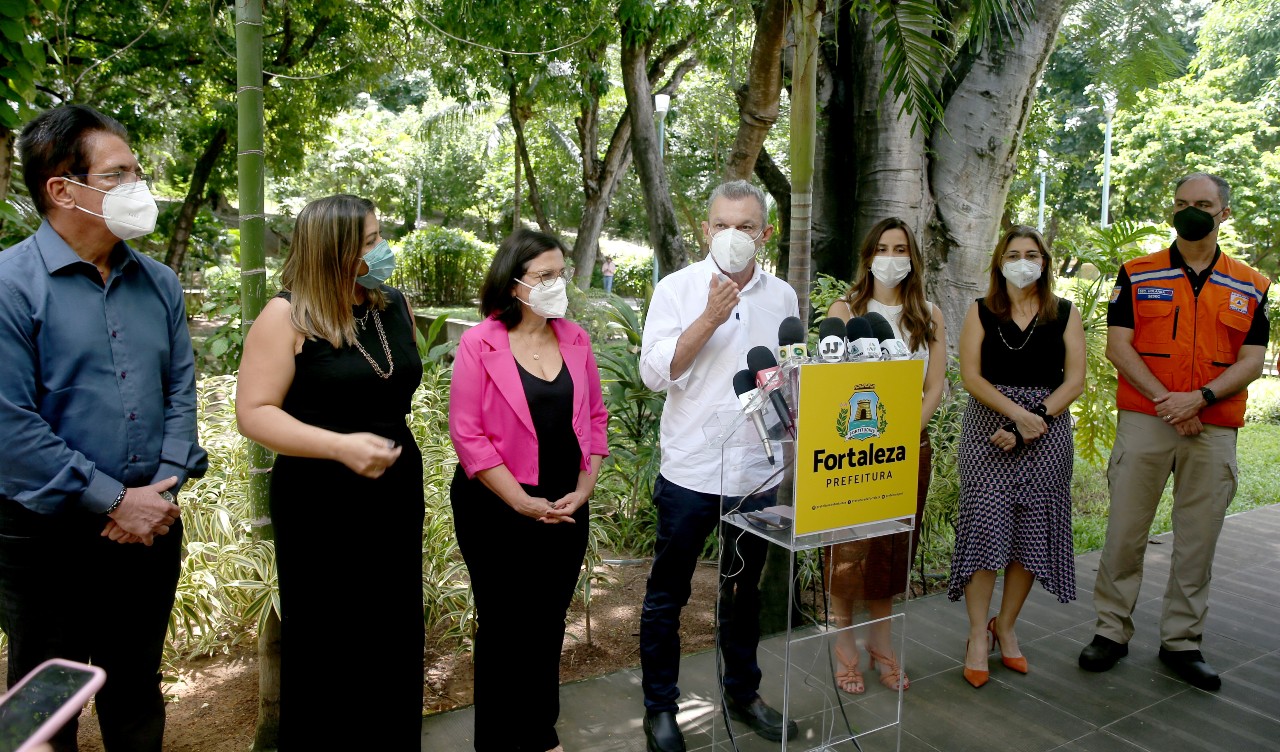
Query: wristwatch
point(1209, 396)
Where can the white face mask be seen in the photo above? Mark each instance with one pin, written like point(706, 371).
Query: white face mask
point(890, 270)
point(732, 249)
point(1021, 273)
point(129, 209)
point(548, 302)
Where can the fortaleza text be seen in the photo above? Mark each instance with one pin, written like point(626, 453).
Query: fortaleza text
point(854, 457)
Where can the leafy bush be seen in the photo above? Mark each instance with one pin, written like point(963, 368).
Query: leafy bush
point(633, 277)
point(825, 291)
point(1264, 402)
point(441, 266)
point(218, 352)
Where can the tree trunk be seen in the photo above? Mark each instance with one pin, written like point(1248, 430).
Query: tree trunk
point(6, 160)
point(779, 187)
point(871, 166)
point(517, 189)
point(250, 166)
point(181, 238)
point(974, 159)
point(664, 231)
point(519, 115)
point(758, 98)
point(804, 132)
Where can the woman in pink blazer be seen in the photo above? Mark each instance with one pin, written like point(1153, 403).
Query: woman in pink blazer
point(527, 419)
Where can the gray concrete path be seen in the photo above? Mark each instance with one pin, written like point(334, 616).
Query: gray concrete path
point(1139, 705)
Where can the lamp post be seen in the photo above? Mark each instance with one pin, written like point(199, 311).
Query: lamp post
point(661, 104)
point(1044, 170)
point(1109, 111)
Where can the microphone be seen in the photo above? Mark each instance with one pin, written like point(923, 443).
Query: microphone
point(831, 345)
point(744, 384)
point(891, 348)
point(861, 342)
point(791, 341)
point(762, 363)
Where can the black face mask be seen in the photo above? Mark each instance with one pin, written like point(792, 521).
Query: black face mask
point(1193, 224)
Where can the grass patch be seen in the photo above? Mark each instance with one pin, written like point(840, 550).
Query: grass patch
point(1258, 444)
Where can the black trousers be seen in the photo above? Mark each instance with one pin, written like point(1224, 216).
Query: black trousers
point(67, 592)
point(349, 562)
point(523, 574)
point(685, 519)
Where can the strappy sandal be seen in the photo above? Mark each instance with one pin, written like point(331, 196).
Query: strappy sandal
point(891, 674)
point(848, 678)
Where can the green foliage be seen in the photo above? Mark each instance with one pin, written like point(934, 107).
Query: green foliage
point(1094, 411)
point(218, 352)
point(634, 276)
point(1264, 402)
point(942, 509)
point(22, 48)
point(227, 586)
point(441, 266)
point(826, 290)
point(624, 510)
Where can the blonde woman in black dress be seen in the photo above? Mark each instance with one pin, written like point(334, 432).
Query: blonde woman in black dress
point(328, 374)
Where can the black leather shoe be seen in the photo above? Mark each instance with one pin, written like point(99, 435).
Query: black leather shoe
point(662, 732)
point(1102, 654)
point(1192, 668)
point(766, 721)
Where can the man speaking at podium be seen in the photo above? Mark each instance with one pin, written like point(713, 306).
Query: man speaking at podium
point(702, 321)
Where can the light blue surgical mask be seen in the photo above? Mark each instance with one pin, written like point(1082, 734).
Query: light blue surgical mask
point(381, 262)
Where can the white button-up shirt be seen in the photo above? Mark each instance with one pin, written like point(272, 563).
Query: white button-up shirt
point(703, 395)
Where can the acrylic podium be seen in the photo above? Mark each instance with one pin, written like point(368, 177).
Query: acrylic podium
point(844, 475)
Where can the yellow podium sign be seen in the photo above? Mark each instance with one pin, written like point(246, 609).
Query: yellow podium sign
point(857, 443)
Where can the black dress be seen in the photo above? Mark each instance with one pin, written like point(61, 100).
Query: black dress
point(523, 575)
point(349, 550)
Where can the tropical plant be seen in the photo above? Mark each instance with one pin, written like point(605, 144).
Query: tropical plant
point(942, 508)
point(1094, 412)
point(635, 411)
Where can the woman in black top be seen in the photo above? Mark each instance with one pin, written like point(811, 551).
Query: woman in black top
point(328, 374)
point(1022, 360)
point(527, 419)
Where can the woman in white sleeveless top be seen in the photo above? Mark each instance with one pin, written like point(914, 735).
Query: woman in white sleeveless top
point(866, 575)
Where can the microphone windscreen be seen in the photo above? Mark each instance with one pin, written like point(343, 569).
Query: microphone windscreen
point(743, 382)
point(858, 328)
point(790, 331)
point(880, 328)
point(759, 358)
point(830, 327)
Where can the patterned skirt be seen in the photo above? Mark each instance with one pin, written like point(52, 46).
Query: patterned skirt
point(1016, 505)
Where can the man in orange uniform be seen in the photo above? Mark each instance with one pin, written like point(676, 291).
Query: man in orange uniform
point(1187, 332)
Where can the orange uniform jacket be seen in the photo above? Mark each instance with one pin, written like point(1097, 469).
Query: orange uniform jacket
point(1187, 341)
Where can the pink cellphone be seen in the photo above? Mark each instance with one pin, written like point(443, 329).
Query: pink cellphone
point(43, 702)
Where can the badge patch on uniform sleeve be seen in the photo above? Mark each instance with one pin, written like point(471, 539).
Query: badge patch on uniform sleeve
point(1239, 303)
point(1155, 293)
point(1115, 293)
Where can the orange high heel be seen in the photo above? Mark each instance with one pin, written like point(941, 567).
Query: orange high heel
point(1018, 664)
point(976, 677)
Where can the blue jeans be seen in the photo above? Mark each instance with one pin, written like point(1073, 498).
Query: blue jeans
point(608, 283)
point(685, 519)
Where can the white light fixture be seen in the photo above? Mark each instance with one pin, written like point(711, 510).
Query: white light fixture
point(661, 103)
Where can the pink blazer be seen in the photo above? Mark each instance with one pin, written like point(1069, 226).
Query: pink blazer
point(489, 418)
